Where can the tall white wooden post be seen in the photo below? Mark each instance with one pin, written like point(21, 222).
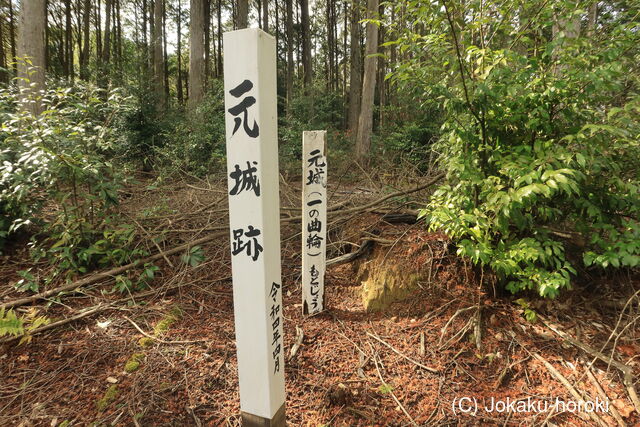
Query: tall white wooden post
point(314, 221)
point(254, 219)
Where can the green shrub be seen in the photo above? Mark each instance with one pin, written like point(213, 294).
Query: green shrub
point(56, 176)
point(540, 145)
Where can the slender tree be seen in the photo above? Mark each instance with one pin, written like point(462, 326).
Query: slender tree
point(265, 15)
point(207, 41)
point(31, 50)
point(290, 47)
point(355, 74)
point(12, 38)
point(179, 92)
point(306, 43)
point(219, 58)
point(196, 53)
point(242, 14)
point(84, 55)
point(365, 121)
point(165, 62)
point(158, 59)
point(4, 77)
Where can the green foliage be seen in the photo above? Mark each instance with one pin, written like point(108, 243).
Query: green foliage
point(321, 110)
point(540, 141)
point(21, 326)
point(194, 256)
point(56, 177)
point(10, 324)
point(195, 141)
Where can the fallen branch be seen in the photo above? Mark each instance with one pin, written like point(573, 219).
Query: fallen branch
point(627, 372)
point(366, 244)
point(89, 312)
point(375, 360)
point(135, 325)
point(108, 275)
point(420, 365)
point(568, 386)
point(614, 412)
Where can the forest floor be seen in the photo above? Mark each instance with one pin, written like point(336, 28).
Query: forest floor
point(407, 365)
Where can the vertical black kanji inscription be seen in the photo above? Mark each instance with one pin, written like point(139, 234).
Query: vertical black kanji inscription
point(242, 108)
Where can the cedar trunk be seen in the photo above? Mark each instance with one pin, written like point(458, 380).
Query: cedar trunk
point(196, 53)
point(31, 45)
point(365, 121)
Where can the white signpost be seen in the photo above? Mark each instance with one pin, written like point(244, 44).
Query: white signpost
point(314, 220)
point(254, 219)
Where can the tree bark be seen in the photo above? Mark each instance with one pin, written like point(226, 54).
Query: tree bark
point(98, 29)
point(365, 121)
point(158, 59)
point(196, 54)
point(68, 41)
point(84, 55)
point(165, 62)
point(145, 41)
point(265, 15)
point(4, 76)
point(12, 38)
point(592, 21)
point(355, 74)
point(306, 43)
point(31, 45)
point(207, 42)
point(103, 79)
point(290, 42)
point(219, 58)
point(179, 92)
point(242, 14)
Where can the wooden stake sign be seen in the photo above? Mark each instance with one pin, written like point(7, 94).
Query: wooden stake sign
point(254, 219)
point(314, 219)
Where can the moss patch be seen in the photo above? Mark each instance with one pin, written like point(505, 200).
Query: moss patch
point(145, 342)
point(165, 323)
point(108, 398)
point(133, 363)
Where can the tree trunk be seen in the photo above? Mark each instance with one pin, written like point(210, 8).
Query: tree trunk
point(4, 77)
point(290, 41)
point(306, 43)
point(355, 74)
point(179, 92)
point(242, 14)
point(365, 121)
point(98, 27)
point(103, 79)
point(12, 38)
point(165, 62)
point(592, 21)
point(68, 43)
point(381, 71)
point(265, 15)
point(145, 41)
point(31, 45)
point(158, 60)
point(207, 42)
point(219, 59)
point(118, 25)
point(84, 55)
point(196, 53)
point(330, 46)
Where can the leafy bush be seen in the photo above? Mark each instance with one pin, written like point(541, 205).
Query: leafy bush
point(540, 144)
point(55, 174)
